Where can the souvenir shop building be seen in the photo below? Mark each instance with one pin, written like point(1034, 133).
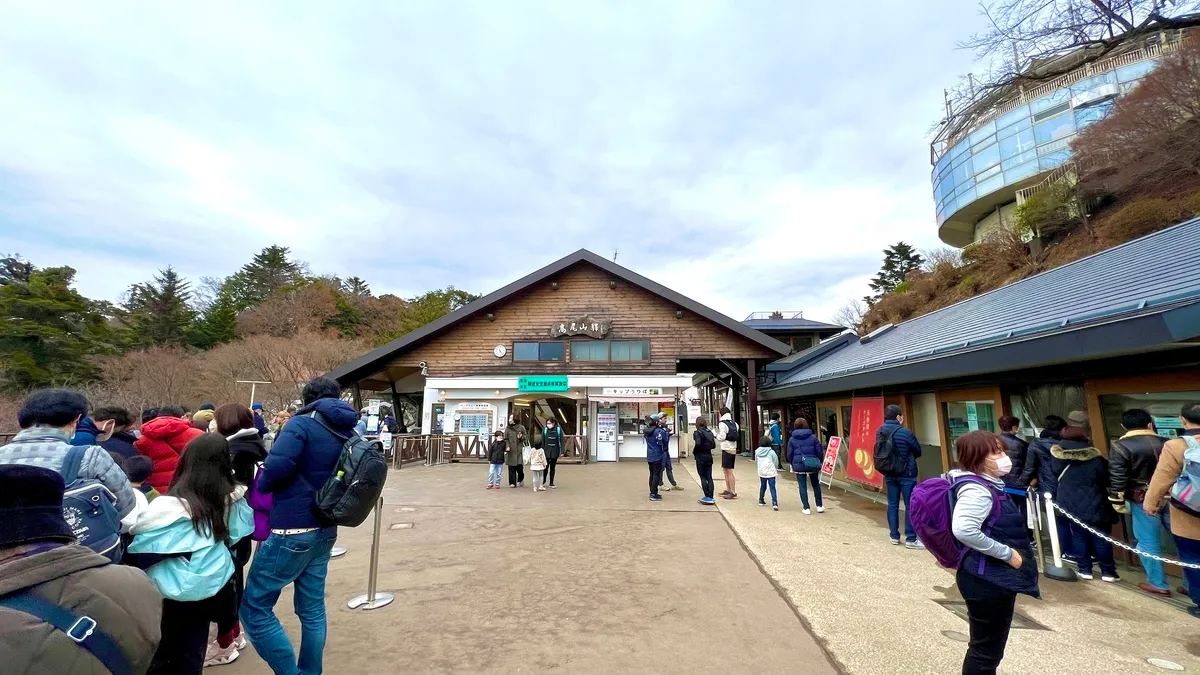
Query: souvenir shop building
point(583, 341)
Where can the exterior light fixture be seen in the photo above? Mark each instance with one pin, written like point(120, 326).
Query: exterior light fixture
point(442, 392)
point(554, 285)
point(612, 283)
point(491, 316)
point(679, 314)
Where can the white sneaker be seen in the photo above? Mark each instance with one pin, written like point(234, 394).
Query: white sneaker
point(664, 488)
point(807, 512)
point(240, 643)
point(1088, 576)
point(820, 509)
point(221, 657)
point(1110, 579)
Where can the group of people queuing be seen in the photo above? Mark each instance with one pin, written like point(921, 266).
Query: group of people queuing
point(514, 447)
point(186, 497)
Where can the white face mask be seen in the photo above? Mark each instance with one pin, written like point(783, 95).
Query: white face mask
point(1003, 465)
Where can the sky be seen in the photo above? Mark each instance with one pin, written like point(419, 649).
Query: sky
point(754, 155)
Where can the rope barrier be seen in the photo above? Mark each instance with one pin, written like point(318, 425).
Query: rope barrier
point(1121, 544)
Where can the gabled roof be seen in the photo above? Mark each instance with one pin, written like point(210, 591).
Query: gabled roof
point(1152, 279)
point(374, 361)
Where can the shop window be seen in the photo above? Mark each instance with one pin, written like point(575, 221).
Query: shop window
point(589, 350)
point(538, 351)
point(1163, 408)
point(630, 350)
point(964, 416)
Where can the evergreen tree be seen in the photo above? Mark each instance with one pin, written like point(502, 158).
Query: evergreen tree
point(158, 311)
point(48, 333)
point(356, 287)
point(269, 271)
point(217, 325)
point(347, 319)
point(15, 268)
point(898, 260)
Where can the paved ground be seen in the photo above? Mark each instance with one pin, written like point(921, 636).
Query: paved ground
point(589, 578)
point(875, 606)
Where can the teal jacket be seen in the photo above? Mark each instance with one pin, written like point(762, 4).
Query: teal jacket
point(165, 528)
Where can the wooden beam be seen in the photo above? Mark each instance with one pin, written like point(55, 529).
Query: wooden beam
point(755, 423)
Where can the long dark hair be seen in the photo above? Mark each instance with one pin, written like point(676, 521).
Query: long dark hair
point(204, 480)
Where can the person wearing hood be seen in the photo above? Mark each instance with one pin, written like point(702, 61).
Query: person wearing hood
point(767, 462)
point(515, 442)
point(182, 541)
point(297, 552)
point(805, 454)
point(122, 439)
point(163, 440)
point(42, 568)
point(1083, 492)
point(658, 443)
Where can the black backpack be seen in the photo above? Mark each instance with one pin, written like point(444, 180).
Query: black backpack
point(354, 488)
point(887, 461)
point(705, 441)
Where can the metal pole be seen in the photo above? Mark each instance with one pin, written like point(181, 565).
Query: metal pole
point(1057, 571)
point(1035, 509)
point(373, 599)
point(253, 391)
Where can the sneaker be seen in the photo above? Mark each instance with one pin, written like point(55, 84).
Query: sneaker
point(806, 512)
point(1194, 611)
point(820, 509)
point(914, 544)
point(1110, 578)
point(512, 486)
point(240, 642)
point(215, 656)
point(707, 501)
point(762, 503)
point(664, 488)
point(774, 507)
point(895, 542)
point(656, 498)
point(553, 487)
point(1086, 575)
point(677, 488)
point(521, 484)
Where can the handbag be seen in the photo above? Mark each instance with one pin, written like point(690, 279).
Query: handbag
point(811, 464)
point(525, 452)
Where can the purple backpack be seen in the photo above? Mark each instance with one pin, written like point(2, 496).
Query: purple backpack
point(931, 510)
point(260, 502)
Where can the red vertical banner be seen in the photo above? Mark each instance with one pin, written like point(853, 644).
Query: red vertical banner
point(866, 416)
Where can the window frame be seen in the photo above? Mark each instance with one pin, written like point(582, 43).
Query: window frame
point(629, 360)
point(539, 358)
point(590, 343)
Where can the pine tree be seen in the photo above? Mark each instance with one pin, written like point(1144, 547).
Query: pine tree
point(15, 268)
point(49, 332)
point(898, 260)
point(356, 287)
point(158, 311)
point(269, 271)
point(217, 325)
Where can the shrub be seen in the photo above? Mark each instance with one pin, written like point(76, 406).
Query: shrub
point(1051, 213)
point(1138, 219)
point(1191, 204)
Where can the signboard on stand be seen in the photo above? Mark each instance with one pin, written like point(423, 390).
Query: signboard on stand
point(866, 416)
point(830, 464)
point(606, 425)
point(373, 406)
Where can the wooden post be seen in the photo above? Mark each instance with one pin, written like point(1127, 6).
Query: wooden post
point(397, 411)
point(755, 423)
point(356, 392)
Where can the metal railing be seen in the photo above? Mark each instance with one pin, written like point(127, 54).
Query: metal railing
point(777, 316)
point(1061, 173)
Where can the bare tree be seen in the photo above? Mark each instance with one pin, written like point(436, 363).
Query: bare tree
point(850, 314)
point(939, 257)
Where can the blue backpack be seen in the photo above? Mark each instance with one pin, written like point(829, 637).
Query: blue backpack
point(90, 509)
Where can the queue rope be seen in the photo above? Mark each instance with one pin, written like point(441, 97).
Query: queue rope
point(1121, 544)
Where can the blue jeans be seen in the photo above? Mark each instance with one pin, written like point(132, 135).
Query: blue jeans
point(1148, 532)
point(803, 479)
point(302, 560)
point(762, 490)
point(897, 488)
point(1189, 552)
point(494, 471)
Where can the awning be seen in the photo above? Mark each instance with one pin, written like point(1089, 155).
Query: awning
point(632, 399)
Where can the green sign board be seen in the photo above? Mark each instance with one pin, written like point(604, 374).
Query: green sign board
point(542, 383)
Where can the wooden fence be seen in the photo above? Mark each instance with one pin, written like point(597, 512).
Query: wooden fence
point(448, 448)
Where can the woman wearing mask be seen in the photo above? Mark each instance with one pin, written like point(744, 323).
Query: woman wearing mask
point(514, 435)
point(999, 563)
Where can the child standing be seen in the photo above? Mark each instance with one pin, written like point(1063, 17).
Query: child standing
point(537, 464)
point(767, 460)
point(496, 452)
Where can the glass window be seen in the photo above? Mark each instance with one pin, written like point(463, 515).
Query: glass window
point(1016, 144)
point(959, 149)
point(1013, 116)
point(987, 157)
point(1051, 112)
point(1054, 159)
point(992, 184)
point(964, 416)
point(966, 197)
point(1092, 113)
point(1020, 171)
point(986, 174)
point(589, 350)
point(982, 133)
point(1135, 71)
point(630, 350)
point(1054, 128)
point(551, 351)
point(960, 174)
point(525, 351)
point(1023, 124)
point(1051, 100)
point(1094, 81)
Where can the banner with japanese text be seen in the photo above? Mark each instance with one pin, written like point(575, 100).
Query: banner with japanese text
point(866, 416)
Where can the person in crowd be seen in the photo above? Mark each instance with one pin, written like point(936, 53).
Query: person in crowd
point(182, 541)
point(999, 563)
point(776, 432)
point(297, 552)
point(496, 453)
point(515, 442)
point(88, 433)
point(1039, 467)
point(121, 438)
point(900, 486)
point(259, 424)
point(149, 414)
point(1184, 524)
point(1083, 492)
point(203, 420)
point(726, 426)
point(41, 567)
point(208, 406)
point(538, 464)
point(1132, 460)
point(663, 420)
point(658, 445)
point(1017, 450)
point(805, 454)
point(163, 440)
point(1079, 418)
point(138, 469)
point(767, 462)
point(277, 421)
point(47, 418)
point(360, 423)
point(703, 444)
point(553, 443)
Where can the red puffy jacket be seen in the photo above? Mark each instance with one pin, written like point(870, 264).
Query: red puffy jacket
point(163, 440)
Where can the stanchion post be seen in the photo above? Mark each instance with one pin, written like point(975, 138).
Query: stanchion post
point(373, 599)
point(1057, 571)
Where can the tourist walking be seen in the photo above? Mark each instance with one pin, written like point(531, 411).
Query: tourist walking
point(903, 444)
point(43, 570)
point(767, 462)
point(727, 439)
point(1132, 460)
point(1083, 492)
point(496, 452)
point(537, 464)
point(1000, 563)
point(297, 551)
point(776, 432)
point(163, 440)
point(1174, 469)
point(703, 444)
point(514, 452)
point(658, 445)
point(182, 541)
point(805, 454)
point(552, 443)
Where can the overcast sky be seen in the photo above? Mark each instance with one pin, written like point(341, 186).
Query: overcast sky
point(752, 154)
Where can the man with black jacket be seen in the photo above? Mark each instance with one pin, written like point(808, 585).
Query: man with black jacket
point(1131, 463)
point(1017, 450)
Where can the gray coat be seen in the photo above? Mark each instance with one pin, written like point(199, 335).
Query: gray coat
point(517, 440)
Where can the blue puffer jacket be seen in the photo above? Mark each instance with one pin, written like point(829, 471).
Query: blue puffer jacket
point(302, 458)
point(803, 443)
point(658, 443)
point(903, 443)
point(85, 432)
